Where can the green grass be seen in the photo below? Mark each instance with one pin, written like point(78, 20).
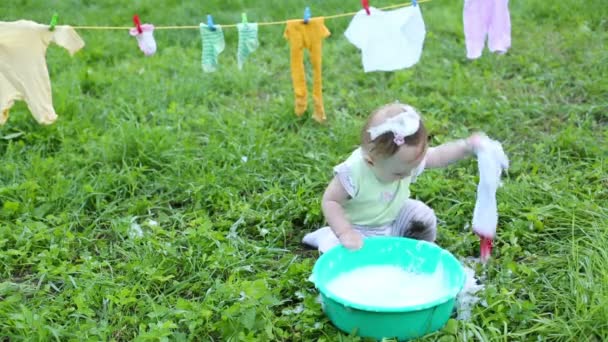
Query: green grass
point(142, 139)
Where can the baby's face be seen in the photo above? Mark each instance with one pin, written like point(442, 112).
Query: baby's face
point(400, 165)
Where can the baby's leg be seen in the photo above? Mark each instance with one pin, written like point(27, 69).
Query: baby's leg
point(417, 221)
point(323, 239)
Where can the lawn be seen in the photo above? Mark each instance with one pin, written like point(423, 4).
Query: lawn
point(224, 180)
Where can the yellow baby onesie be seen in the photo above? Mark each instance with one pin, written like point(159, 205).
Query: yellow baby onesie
point(23, 71)
point(307, 36)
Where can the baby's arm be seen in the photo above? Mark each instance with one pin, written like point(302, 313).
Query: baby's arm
point(333, 199)
point(450, 152)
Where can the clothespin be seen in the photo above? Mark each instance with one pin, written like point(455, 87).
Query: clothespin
point(210, 22)
point(53, 22)
point(365, 4)
point(137, 23)
point(414, 3)
point(244, 18)
point(306, 15)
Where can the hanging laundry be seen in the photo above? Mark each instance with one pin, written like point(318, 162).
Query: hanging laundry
point(213, 45)
point(23, 70)
point(388, 40)
point(248, 41)
point(491, 161)
point(145, 39)
point(307, 36)
point(486, 18)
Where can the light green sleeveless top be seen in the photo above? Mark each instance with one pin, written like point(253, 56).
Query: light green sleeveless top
point(373, 203)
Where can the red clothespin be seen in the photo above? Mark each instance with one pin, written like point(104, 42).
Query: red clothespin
point(137, 23)
point(365, 4)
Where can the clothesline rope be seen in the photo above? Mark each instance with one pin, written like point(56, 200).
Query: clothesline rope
point(270, 23)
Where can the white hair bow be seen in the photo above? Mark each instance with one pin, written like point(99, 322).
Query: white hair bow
point(402, 125)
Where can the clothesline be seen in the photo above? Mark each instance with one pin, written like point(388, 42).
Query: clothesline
point(400, 48)
point(235, 25)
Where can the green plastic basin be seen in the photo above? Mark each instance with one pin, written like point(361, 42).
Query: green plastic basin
point(402, 323)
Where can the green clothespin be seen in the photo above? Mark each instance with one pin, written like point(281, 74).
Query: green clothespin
point(53, 22)
point(244, 17)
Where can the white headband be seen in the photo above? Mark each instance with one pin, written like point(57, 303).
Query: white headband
point(402, 125)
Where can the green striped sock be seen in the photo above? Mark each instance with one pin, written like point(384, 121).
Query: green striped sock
point(248, 41)
point(213, 45)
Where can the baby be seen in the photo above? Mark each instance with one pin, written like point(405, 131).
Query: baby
point(369, 194)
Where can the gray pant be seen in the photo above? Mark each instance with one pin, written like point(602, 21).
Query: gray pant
point(416, 220)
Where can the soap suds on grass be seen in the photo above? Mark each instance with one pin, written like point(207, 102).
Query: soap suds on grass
point(135, 230)
point(388, 286)
point(470, 294)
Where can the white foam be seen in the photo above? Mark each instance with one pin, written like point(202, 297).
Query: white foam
point(467, 298)
point(135, 231)
point(388, 286)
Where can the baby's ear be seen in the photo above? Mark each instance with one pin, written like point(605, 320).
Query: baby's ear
point(368, 160)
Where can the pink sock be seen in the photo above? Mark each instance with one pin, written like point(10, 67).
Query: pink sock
point(145, 40)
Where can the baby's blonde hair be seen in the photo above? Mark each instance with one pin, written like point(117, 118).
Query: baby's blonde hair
point(384, 145)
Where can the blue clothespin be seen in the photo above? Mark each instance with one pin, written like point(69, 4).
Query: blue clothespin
point(244, 18)
point(210, 22)
point(414, 3)
point(53, 22)
point(306, 15)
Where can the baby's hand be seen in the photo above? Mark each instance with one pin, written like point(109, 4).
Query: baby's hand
point(351, 240)
point(475, 140)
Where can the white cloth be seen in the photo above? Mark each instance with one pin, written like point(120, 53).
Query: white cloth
point(491, 161)
point(388, 40)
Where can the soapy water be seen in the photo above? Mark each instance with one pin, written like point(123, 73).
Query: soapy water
point(388, 286)
point(393, 286)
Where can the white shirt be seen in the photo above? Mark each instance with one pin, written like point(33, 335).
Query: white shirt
point(388, 40)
